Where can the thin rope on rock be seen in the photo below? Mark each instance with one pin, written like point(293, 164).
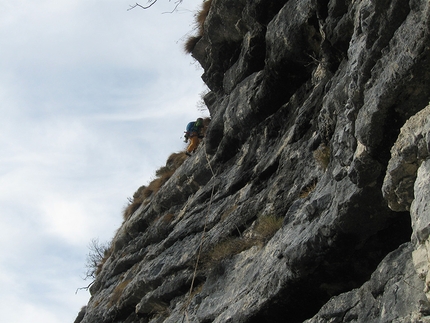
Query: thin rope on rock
point(201, 242)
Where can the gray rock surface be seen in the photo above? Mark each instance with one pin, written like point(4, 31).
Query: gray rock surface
point(389, 296)
point(307, 102)
point(409, 151)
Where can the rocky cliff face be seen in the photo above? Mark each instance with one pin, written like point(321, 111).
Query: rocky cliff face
point(320, 118)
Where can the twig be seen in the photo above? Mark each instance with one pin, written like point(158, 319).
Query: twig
point(143, 7)
point(86, 288)
point(178, 2)
point(176, 7)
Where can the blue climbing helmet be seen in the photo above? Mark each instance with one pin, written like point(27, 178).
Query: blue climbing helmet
point(190, 126)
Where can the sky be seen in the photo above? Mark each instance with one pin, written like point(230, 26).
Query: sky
point(93, 99)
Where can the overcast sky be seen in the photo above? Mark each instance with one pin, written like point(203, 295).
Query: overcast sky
point(93, 100)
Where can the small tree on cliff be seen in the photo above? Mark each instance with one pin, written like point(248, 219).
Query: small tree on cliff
point(96, 257)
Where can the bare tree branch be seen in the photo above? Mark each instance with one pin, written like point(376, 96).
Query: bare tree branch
point(176, 6)
point(151, 3)
point(95, 258)
point(84, 288)
point(143, 7)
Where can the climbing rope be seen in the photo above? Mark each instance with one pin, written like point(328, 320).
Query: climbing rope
point(201, 243)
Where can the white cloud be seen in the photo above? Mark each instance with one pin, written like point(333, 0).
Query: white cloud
point(93, 99)
point(41, 287)
point(26, 312)
point(67, 219)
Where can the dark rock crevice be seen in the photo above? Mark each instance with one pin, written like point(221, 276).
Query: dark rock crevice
point(340, 272)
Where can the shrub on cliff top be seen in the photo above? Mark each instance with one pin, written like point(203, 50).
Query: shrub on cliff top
point(97, 256)
point(200, 19)
point(190, 43)
point(175, 160)
point(163, 174)
point(201, 16)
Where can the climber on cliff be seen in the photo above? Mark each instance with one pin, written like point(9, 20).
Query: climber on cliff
point(194, 133)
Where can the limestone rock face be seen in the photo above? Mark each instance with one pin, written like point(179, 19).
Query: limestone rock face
point(320, 123)
point(389, 296)
point(409, 151)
